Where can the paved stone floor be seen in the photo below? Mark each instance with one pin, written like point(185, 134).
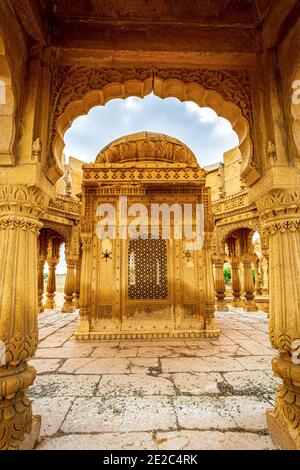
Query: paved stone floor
point(160, 394)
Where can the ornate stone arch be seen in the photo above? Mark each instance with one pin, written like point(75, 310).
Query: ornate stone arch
point(79, 88)
point(63, 230)
point(226, 230)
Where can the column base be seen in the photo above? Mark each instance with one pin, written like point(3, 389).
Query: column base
point(238, 304)
point(279, 433)
point(50, 306)
point(221, 306)
point(250, 306)
point(31, 437)
point(68, 309)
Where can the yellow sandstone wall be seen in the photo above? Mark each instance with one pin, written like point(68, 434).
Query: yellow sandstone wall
point(225, 178)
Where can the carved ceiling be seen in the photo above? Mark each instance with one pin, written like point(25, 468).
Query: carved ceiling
point(208, 11)
point(166, 25)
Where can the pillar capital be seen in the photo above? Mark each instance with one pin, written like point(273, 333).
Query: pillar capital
point(235, 262)
point(71, 262)
point(247, 260)
point(218, 260)
point(23, 202)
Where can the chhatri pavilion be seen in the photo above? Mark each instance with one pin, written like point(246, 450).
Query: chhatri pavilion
point(146, 286)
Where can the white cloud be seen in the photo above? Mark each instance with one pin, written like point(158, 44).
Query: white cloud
point(134, 104)
point(223, 127)
point(203, 114)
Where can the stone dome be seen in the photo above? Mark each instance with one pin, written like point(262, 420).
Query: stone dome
point(146, 146)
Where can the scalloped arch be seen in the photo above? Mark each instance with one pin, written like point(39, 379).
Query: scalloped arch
point(252, 224)
point(163, 88)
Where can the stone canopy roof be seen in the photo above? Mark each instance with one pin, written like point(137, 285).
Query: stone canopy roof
point(147, 146)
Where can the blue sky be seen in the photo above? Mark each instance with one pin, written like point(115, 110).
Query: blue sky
point(208, 135)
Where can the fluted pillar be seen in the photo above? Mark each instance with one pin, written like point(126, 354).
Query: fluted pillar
point(52, 260)
point(77, 283)
point(265, 278)
point(209, 316)
point(236, 284)
point(20, 207)
point(85, 286)
point(280, 217)
point(250, 305)
point(220, 284)
point(69, 287)
point(241, 277)
point(41, 259)
point(40, 270)
point(258, 278)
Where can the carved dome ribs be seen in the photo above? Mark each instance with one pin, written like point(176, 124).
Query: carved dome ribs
point(147, 146)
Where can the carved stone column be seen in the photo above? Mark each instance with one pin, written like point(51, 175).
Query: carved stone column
point(258, 278)
point(220, 284)
point(280, 217)
point(77, 283)
point(40, 269)
point(52, 260)
point(241, 277)
point(20, 208)
point(250, 305)
point(236, 285)
point(209, 318)
point(265, 278)
point(42, 256)
point(85, 283)
point(69, 287)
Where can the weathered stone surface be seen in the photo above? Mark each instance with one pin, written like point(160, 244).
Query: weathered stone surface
point(134, 385)
point(45, 365)
point(121, 414)
point(221, 412)
point(55, 385)
point(256, 363)
point(252, 382)
point(196, 383)
point(105, 441)
point(213, 440)
point(53, 412)
point(79, 350)
point(114, 351)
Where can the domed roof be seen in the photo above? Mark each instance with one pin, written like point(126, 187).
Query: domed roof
point(145, 146)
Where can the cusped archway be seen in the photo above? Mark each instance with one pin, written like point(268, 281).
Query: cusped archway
point(81, 89)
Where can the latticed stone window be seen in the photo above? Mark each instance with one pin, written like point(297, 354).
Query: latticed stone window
point(147, 269)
